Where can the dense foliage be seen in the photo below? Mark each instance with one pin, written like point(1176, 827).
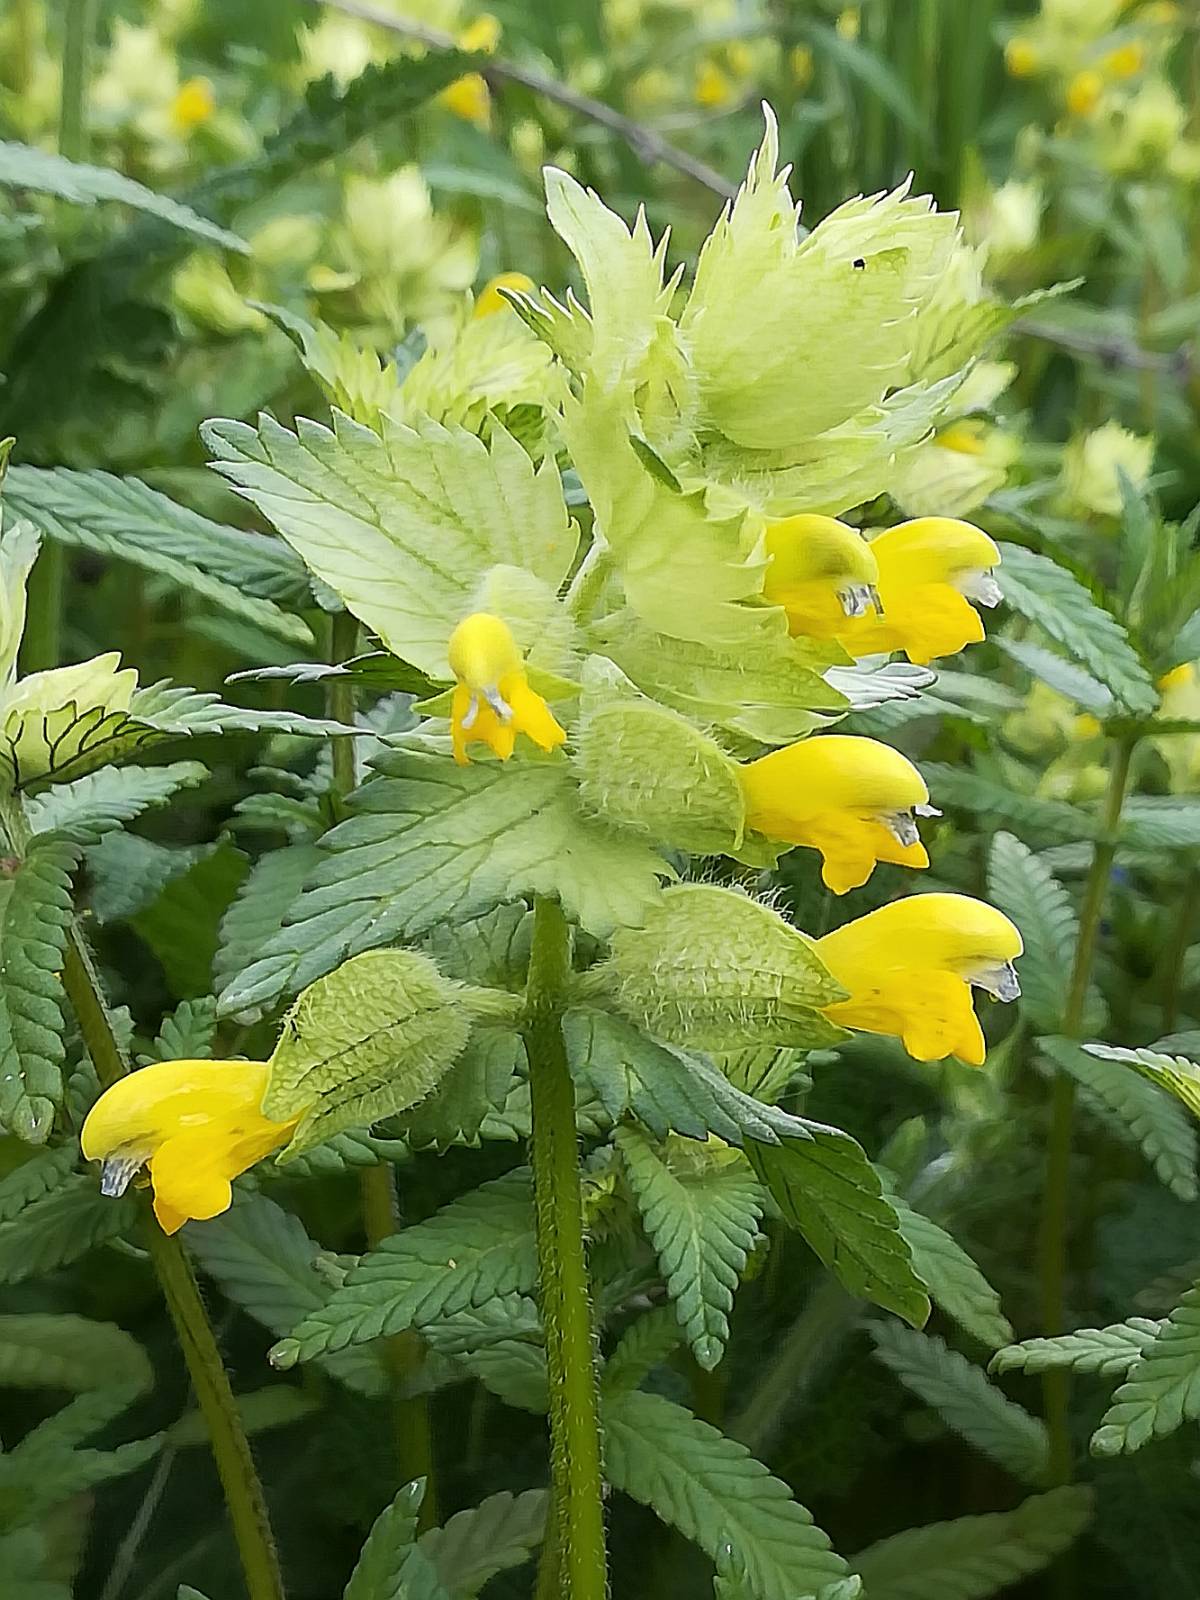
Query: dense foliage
point(545, 692)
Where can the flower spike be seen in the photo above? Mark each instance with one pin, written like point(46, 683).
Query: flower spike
point(855, 800)
point(909, 968)
point(493, 702)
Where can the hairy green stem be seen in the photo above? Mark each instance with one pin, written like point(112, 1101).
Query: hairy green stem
point(1056, 1191)
point(230, 1447)
point(577, 1541)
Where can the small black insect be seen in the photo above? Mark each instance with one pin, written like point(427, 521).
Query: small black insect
point(859, 264)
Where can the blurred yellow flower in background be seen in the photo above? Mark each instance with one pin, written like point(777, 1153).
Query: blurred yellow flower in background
point(193, 105)
point(1084, 92)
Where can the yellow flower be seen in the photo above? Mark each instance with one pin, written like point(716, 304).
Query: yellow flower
point(470, 98)
point(481, 36)
point(493, 702)
point(491, 300)
point(194, 1124)
point(855, 800)
point(929, 572)
point(1084, 92)
point(966, 438)
point(849, 23)
point(909, 968)
point(800, 60)
point(194, 103)
point(713, 86)
point(1126, 61)
point(1021, 58)
point(821, 572)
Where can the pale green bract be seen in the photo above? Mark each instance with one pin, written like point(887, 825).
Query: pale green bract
point(403, 527)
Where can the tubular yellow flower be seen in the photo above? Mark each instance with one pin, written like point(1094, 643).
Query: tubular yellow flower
point(714, 88)
point(470, 98)
point(930, 570)
point(490, 300)
point(194, 104)
point(821, 572)
point(195, 1125)
point(855, 800)
point(482, 35)
point(1021, 58)
point(966, 438)
point(1084, 92)
point(493, 702)
point(909, 968)
point(1126, 61)
point(802, 64)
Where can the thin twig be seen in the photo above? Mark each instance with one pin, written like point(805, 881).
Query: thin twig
point(1110, 350)
point(645, 143)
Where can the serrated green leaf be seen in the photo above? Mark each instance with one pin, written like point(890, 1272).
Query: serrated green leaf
point(258, 910)
point(1035, 817)
point(187, 1033)
point(71, 739)
point(1134, 1109)
point(39, 1175)
point(402, 528)
point(644, 1345)
point(379, 1571)
point(476, 1248)
point(715, 1493)
point(124, 520)
point(84, 811)
point(1108, 1352)
point(501, 1343)
point(964, 1399)
point(952, 1278)
point(369, 1040)
point(1023, 887)
point(61, 1351)
point(23, 166)
point(180, 923)
point(428, 843)
point(1064, 677)
point(667, 1090)
point(1162, 1389)
point(1047, 594)
point(500, 1533)
point(701, 1213)
point(1175, 1074)
point(476, 1085)
point(974, 1557)
point(828, 1190)
point(1160, 822)
point(35, 912)
point(60, 1228)
point(265, 1262)
point(713, 968)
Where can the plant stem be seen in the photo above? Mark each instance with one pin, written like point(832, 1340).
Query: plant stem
point(79, 24)
point(230, 1447)
point(800, 1356)
point(1056, 1192)
point(1177, 949)
point(566, 1313)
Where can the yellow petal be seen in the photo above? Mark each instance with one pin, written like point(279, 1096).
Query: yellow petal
point(470, 98)
point(193, 104)
point(814, 561)
point(482, 35)
point(531, 715)
point(149, 1105)
point(482, 650)
point(929, 1011)
point(926, 621)
point(490, 300)
point(948, 932)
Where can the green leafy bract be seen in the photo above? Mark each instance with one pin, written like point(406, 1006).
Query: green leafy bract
point(366, 1041)
point(428, 843)
point(402, 528)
